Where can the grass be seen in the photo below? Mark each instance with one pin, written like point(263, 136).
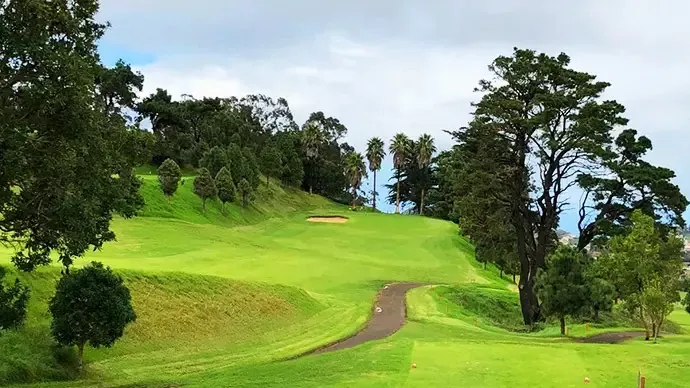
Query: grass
point(231, 299)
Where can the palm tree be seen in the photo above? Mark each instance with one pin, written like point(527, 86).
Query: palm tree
point(375, 154)
point(313, 137)
point(356, 171)
point(425, 149)
point(400, 148)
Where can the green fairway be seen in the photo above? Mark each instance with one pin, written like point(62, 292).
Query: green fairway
point(230, 300)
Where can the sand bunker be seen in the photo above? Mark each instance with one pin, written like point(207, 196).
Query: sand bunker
point(328, 219)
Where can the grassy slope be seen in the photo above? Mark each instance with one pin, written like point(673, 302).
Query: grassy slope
point(340, 266)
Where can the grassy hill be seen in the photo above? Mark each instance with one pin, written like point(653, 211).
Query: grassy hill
point(230, 300)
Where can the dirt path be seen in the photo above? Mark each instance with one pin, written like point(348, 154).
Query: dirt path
point(611, 338)
point(387, 316)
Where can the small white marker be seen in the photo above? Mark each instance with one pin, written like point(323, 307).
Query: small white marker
point(378, 309)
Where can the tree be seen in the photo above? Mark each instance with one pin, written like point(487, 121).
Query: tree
point(250, 168)
point(214, 159)
point(169, 175)
point(205, 187)
point(92, 305)
point(65, 165)
point(313, 138)
point(686, 302)
point(425, 149)
point(400, 148)
point(656, 304)
point(554, 128)
point(375, 155)
point(564, 287)
point(246, 191)
point(13, 301)
point(642, 266)
point(271, 162)
point(356, 171)
point(236, 162)
point(226, 187)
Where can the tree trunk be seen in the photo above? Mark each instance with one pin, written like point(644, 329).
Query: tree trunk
point(310, 192)
point(484, 265)
point(529, 303)
point(646, 326)
point(222, 207)
point(374, 193)
point(203, 205)
point(654, 331)
point(397, 198)
point(421, 205)
point(80, 353)
point(562, 320)
point(501, 274)
point(513, 278)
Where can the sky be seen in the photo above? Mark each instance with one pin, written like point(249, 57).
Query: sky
point(389, 66)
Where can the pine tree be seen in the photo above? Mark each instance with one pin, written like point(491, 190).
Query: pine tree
point(226, 187)
point(205, 187)
point(169, 175)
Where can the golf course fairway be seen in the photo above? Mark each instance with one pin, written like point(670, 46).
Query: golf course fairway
point(243, 299)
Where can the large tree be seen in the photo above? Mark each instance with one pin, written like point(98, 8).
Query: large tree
point(400, 148)
point(424, 150)
point(64, 163)
point(375, 155)
point(356, 171)
point(313, 138)
point(555, 128)
point(205, 187)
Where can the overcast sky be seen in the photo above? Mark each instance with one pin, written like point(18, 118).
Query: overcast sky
point(387, 66)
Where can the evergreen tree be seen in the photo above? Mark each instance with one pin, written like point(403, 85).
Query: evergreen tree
point(271, 162)
point(205, 187)
point(246, 191)
point(214, 159)
point(169, 175)
point(226, 187)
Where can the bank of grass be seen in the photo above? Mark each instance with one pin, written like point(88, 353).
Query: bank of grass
point(181, 311)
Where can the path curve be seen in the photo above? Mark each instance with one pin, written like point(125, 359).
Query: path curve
point(615, 337)
point(388, 315)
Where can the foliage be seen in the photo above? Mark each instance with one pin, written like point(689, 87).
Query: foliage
point(356, 171)
point(65, 156)
point(415, 175)
point(375, 155)
point(271, 162)
point(226, 187)
point(205, 187)
point(92, 305)
point(169, 175)
point(246, 191)
point(564, 288)
point(13, 302)
point(214, 160)
point(643, 265)
point(686, 302)
point(400, 147)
